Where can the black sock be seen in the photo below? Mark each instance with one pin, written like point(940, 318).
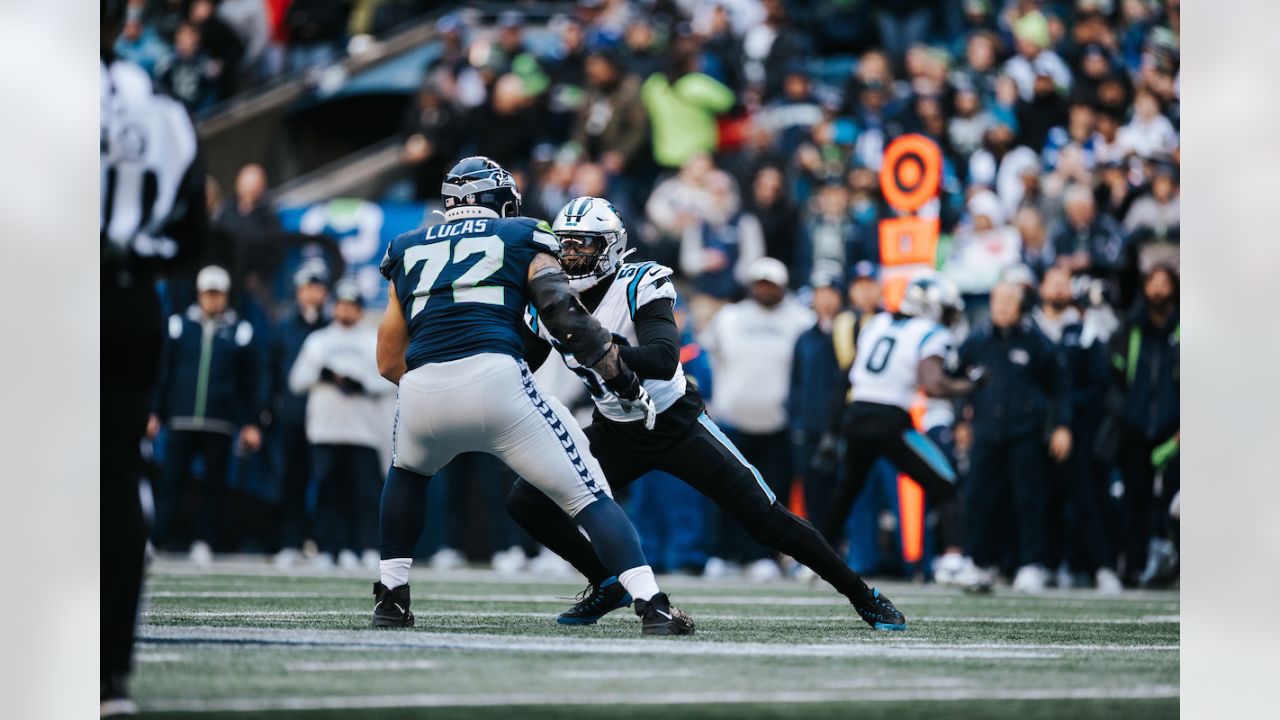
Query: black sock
point(403, 512)
point(551, 526)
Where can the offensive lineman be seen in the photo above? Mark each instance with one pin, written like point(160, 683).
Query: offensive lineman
point(897, 353)
point(450, 339)
point(634, 301)
point(152, 215)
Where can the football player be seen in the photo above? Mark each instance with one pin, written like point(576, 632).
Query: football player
point(898, 353)
point(634, 302)
point(451, 340)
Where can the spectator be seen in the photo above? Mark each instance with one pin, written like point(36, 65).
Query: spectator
point(815, 376)
point(1076, 532)
point(1034, 57)
point(1025, 390)
point(188, 74)
point(683, 105)
point(1153, 221)
point(248, 19)
point(828, 234)
point(680, 201)
point(140, 42)
point(211, 391)
point(751, 344)
point(1146, 355)
point(983, 247)
point(346, 424)
point(970, 122)
point(290, 409)
point(777, 216)
point(316, 30)
point(902, 23)
point(1086, 242)
point(1045, 110)
point(506, 127)
point(248, 214)
point(612, 125)
point(770, 47)
point(1079, 130)
point(1149, 134)
point(1037, 254)
point(434, 133)
point(718, 250)
point(220, 42)
point(999, 164)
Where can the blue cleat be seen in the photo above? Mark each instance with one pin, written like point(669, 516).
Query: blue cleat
point(878, 612)
point(595, 602)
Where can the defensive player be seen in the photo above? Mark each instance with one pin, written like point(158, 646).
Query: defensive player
point(897, 353)
point(634, 301)
point(451, 340)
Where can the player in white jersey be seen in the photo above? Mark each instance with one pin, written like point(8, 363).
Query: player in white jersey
point(151, 215)
point(898, 353)
point(634, 302)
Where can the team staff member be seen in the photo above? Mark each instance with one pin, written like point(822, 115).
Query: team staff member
point(1028, 386)
point(634, 302)
point(145, 134)
point(338, 370)
point(211, 391)
point(290, 416)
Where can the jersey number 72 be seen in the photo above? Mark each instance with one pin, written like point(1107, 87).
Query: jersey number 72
point(434, 258)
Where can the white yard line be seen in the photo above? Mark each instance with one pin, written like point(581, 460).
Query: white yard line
point(875, 646)
point(360, 665)
point(1142, 692)
point(304, 614)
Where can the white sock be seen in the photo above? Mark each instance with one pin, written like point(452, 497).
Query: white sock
point(639, 581)
point(395, 572)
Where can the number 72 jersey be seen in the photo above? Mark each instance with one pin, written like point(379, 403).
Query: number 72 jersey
point(463, 285)
point(890, 348)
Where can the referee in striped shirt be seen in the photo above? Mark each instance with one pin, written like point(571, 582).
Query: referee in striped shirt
point(151, 217)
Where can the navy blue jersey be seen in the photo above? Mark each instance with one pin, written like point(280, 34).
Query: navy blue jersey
point(462, 285)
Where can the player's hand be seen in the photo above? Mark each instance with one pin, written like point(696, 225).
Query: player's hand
point(1060, 444)
point(642, 401)
point(979, 376)
point(153, 427)
point(251, 438)
point(826, 454)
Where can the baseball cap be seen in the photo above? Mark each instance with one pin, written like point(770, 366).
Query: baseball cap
point(348, 291)
point(826, 274)
point(768, 269)
point(866, 270)
point(213, 279)
point(310, 272)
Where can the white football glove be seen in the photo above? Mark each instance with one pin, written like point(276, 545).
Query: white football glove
point(642, 400)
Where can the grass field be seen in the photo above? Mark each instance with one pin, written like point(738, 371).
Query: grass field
point(239, 641)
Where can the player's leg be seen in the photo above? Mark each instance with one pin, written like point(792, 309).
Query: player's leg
point(711, 463)
point(861, 451)
point(540, 440)
point(123, 532)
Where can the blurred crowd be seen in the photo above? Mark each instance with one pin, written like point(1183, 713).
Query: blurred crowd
point(728, 132)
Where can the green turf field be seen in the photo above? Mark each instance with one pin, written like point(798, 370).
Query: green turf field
point(239, 641)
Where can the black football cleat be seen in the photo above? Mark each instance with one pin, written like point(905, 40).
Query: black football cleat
point(595, 602)
point(658, 617)
point(878, 612)
point(391, 607)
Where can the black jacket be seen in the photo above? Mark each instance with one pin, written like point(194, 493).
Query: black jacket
point(1146, 359)
point(1027, 389)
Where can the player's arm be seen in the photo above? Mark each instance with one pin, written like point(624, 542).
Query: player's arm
point(536, 350)
point(657, 355)
point(565, 317)
point(393, 338)
point(935, 381)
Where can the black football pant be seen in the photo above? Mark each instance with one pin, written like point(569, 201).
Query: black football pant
point(705, 459)
point(180, 454)
point(123, 534)
point(872, 431)
point(348, 482)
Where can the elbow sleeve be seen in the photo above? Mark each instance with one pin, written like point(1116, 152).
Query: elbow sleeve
point(567, 320)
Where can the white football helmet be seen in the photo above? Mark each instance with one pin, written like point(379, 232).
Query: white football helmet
point(925, 297)
point(593, 240)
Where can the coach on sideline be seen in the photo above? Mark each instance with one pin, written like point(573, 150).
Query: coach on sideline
point(1024, 384)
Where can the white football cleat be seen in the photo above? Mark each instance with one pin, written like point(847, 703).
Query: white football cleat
point(1030, 579)
point(446, 558)
point(201, 554)
point(763, 570)
point(1107, 582)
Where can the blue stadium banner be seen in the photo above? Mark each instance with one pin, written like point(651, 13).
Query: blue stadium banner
point(362, 230)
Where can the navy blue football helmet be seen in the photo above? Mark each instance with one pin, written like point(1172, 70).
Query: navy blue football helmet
point(479, 187)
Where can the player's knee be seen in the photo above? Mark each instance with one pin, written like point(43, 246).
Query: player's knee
point(755, 513)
